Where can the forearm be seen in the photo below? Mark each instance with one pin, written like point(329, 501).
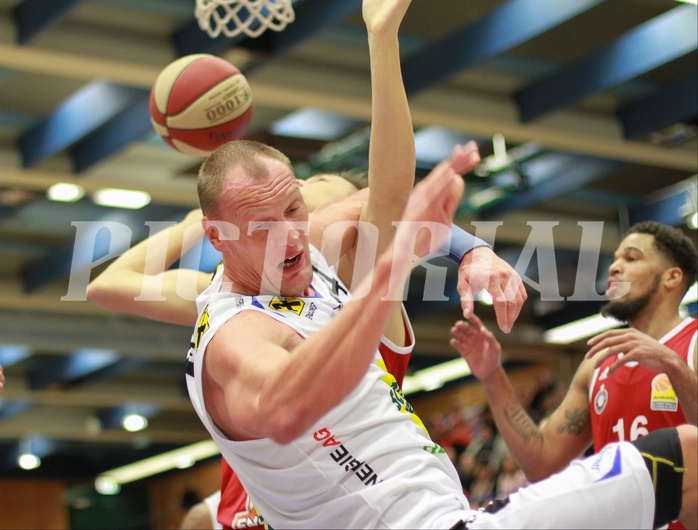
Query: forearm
point(124, 277)
point(392, 158)
point(294, 398)
point(685, 383)
point(522, 436)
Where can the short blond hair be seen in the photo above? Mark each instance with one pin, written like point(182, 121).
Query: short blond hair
point(244, 154)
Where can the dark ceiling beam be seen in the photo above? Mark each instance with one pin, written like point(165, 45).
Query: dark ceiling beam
point(94, 242)
point(507, 26)
point(673, 104)
point(132, 124)
point(647, 47)
point(34, 16)
point(75, 119)
point(670, 207)
point(49, 370)
point(55, 333)
point(567, 174)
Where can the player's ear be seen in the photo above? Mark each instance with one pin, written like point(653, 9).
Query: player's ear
point(218, 232)
point(673, 277)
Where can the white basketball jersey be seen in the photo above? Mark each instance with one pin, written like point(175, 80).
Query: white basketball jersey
point(368, 463)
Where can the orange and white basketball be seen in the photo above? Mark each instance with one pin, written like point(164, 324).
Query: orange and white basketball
point(200, 102)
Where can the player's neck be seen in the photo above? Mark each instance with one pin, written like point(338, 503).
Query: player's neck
point(657, 320)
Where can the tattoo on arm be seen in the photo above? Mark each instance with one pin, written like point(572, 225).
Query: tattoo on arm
point(522, 424)
point(577, 421)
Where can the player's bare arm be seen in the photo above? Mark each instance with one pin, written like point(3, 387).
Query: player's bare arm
point(391, 157)
point(640, 347)
point(537, 450)
point(138, 282)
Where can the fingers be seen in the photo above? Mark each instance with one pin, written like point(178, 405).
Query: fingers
point(508, 295)
point(467, 304)
point(461, 333)
point(515, 295)
point(464, 158)
point(606, 340)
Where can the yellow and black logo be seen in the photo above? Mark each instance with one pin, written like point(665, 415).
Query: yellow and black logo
point(294, 305)
point(201, 327)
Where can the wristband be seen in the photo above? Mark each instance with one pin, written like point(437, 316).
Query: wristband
point(460, 244)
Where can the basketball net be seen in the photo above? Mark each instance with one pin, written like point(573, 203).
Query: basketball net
point(252, 17)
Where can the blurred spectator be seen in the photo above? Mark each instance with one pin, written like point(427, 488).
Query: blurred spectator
point(510, 477)
point(487, 447)
point(467, 469)
point(483, 488)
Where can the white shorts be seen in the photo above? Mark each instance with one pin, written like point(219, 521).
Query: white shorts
point(611, 489)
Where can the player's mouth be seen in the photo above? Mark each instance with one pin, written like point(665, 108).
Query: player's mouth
point(290, 262)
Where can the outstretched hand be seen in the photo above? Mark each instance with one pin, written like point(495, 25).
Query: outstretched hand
point(481, 269)
point(634, 345)
point(477, 346)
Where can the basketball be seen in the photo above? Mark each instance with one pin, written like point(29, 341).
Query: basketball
point(200, 102)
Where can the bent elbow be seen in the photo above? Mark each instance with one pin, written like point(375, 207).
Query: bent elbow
point(284, 424)
point(285, 428)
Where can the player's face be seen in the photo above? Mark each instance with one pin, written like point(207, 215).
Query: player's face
point(639, 265)
point(323, 189)
point(271, 254)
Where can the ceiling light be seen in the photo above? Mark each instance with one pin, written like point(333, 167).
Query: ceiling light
point(116, 198)
point(134, 422)
point(184, 461)
point(107, 486)
point(28, 461)
point(692, 221)
point(579, 329)
point(160, 463)
point(65, 192)
point(435, 376)
point(694, 2)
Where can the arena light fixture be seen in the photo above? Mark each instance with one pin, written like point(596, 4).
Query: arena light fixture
point(118, 198)
point(65, 192)
point(579, 329)
point(158, 464)
point(28, 459)
point(436, 376)
point(134, 422)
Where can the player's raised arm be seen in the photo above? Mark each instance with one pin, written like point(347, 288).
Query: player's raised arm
point(539, 450)
point(138, 283)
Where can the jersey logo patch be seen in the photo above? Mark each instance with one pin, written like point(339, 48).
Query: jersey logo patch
point(601, 400)
point(295, 305)
point(663, 395)
point(201, 328)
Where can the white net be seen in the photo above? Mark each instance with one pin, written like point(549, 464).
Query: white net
point(252, 17)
